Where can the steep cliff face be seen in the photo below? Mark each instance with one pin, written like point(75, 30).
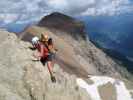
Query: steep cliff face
point(73, 49)
point(21, 78)
point(63, 26)
point(79, 56)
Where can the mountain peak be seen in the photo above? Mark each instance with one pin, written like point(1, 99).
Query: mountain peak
point(63, 23)
point(58, 14)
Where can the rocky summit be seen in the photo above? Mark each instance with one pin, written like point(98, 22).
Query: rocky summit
point(65, 23)
point(83, 71)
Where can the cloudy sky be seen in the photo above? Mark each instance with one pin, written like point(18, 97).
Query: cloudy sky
point(22, 11)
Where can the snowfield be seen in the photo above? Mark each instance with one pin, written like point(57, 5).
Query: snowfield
point(121, 91)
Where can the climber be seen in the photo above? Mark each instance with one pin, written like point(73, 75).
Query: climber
point(43, 55)
point(48, 42)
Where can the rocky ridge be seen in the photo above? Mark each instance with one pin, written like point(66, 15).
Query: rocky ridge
point(21, 78)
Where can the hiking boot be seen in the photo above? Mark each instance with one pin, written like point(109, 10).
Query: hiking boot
point(53, 79)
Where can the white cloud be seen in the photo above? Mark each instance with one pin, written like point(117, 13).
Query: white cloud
point(57, 4)
point(8, 18)
point(110, 7)
point(23, 10)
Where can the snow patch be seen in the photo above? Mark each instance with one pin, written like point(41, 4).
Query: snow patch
point(91, 89)
point(121, 90)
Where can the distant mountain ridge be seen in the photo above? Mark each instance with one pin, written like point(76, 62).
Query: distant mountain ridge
point(113, 28)
point(127, 63)
point(113, 34)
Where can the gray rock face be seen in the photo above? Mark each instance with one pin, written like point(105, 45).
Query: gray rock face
point(41, 87)
point(23, 79)
point(13, 57)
